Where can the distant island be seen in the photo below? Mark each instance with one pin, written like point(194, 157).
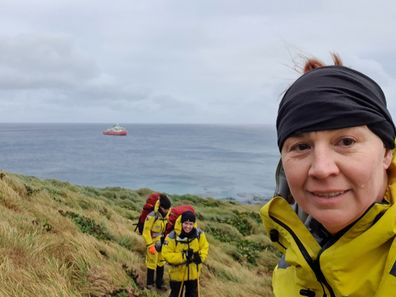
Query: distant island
point(60, 239)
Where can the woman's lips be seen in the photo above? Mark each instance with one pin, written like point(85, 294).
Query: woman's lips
point(328, 194)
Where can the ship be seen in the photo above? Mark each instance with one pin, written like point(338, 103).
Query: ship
point(116, 130)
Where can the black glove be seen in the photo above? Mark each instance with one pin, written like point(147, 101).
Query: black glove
point(197, 258)
point(189, 255)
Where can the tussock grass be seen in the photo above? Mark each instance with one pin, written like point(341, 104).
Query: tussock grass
point(59, 239)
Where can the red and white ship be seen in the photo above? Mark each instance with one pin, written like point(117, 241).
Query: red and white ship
point(116, 130)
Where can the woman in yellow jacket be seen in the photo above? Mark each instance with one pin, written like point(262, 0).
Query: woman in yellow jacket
point(334, 215)
point(185, 248)
point(153, 234)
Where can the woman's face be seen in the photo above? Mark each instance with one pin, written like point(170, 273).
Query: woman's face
point(187, 226)
point(335, 175)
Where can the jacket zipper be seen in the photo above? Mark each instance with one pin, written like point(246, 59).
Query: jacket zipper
point(315, 266)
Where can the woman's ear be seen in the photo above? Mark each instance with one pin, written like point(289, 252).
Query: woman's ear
point(388, 158)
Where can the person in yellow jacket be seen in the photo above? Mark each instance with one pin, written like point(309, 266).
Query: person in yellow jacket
point(185, 249)
point(333, 216)
point(153, 234)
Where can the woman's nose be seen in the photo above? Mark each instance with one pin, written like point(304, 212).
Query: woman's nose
point(323, 163)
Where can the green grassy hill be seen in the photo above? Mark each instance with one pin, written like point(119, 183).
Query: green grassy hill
point(59, 239)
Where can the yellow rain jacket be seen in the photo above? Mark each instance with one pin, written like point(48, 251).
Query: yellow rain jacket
point(360, 262)
point(174, 249)
point(154, 228)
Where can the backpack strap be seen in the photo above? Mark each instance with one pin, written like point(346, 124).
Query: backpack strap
point(172, 234)
point(199, 231)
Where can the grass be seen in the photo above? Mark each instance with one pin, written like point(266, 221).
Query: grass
point(59, 239)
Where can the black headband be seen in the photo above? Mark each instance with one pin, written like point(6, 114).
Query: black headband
point(188, 216)
point(334, 97)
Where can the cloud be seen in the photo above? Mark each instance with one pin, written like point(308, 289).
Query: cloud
point(204, 61)
point(35, 62)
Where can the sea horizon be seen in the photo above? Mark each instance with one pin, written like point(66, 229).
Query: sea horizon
point(227, 161)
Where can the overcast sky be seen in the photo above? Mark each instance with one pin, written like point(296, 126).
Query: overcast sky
point(179, 61)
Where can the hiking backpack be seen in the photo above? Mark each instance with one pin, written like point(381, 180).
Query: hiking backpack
point(147, 208)
point(175, 212)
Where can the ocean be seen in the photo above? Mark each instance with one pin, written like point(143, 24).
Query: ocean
point(220, 161)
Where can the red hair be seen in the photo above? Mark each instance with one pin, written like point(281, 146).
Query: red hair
point(313, 63)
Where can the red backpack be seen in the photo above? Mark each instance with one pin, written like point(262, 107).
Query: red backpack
point(147, 208)
point(175, 212)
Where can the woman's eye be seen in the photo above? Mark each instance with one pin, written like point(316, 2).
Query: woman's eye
point(300, 147)
point(347, 141)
